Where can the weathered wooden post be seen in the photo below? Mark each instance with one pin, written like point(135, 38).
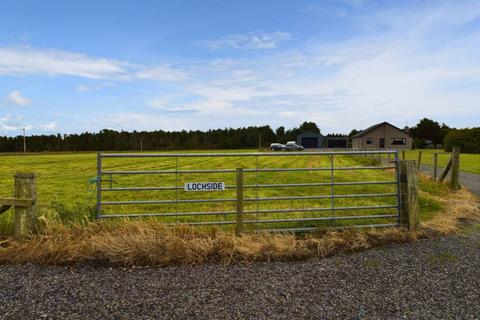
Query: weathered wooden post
point(419, 162)
point(239, 228)
point(25, 216)
point(435, 166)
point(454, 182)
point(408, 195)
point(403, 154)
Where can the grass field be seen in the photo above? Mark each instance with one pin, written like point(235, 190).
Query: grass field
point(65, 194)
point(469, 162)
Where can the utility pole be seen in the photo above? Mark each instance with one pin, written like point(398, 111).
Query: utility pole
point(24, 142)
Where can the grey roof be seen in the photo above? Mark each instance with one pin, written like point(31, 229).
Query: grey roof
point(361, 133)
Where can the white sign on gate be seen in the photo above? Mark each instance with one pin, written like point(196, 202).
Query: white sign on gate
point(204, 186)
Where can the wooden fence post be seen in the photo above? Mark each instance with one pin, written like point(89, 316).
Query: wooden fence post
point(454, 183)
point(435, 166)
point(408, 195)
point(445, 172)
point(403, 154)
point(419, 159)
point(25, 216)
point(239, 227)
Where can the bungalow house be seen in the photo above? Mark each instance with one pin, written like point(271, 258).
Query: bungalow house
point(382, 136)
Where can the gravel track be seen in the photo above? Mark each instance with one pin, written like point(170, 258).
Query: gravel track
point(429, 279)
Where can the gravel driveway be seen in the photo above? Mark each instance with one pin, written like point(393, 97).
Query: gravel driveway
point(429, 279)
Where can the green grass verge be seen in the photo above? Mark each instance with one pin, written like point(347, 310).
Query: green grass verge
point(469, 162)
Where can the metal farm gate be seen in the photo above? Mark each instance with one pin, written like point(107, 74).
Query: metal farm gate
point(280, 191)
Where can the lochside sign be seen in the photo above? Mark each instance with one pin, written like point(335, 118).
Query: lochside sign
point(204, 186)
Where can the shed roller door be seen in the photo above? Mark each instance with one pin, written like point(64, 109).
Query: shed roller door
point(310, 142)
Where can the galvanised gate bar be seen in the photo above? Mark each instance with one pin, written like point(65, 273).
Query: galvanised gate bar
point(280, 191)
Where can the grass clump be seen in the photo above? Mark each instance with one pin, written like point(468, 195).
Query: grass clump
point(77, 212)
point(458, 208)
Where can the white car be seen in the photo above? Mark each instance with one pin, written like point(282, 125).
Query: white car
point(292, 146)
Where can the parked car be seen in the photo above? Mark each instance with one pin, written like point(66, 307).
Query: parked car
point(277, 147)
point(292, 146)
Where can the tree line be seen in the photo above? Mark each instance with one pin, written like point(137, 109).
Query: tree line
point(228, 138)
point(426, 133)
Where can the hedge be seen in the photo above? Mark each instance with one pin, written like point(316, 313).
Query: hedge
point(467, 139)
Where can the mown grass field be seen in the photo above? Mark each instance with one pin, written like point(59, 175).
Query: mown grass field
point(65, 194)
point(469, 162)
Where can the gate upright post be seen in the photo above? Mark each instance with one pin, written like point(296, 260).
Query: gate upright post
point(99, 185)
point(435, 166)
point(408, 195)
point(239, 227)
point(25, 217)
point(332, 187)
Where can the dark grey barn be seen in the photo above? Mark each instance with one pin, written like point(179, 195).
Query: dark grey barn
point(310, 140)
point(334, 142)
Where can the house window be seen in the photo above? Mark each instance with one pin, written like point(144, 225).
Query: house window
point(369, 141)
point(399, 141)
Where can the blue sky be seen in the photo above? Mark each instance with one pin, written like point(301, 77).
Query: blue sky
point(74, 66)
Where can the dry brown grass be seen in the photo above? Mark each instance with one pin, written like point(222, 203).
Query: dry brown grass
point(149, 243)
point(459, 208)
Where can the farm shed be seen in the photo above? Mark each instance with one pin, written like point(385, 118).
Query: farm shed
point(310, 140)
point(382, 136)
point(336, 142)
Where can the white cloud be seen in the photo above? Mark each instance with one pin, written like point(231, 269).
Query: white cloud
point(49, 126)
point(9, 124)
point(93, 87)
point(251, 40)
point(162, 73)
point(14, 125)
point(6, 124)
point(83, 88)
point(16, 97)
point(27, 60)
